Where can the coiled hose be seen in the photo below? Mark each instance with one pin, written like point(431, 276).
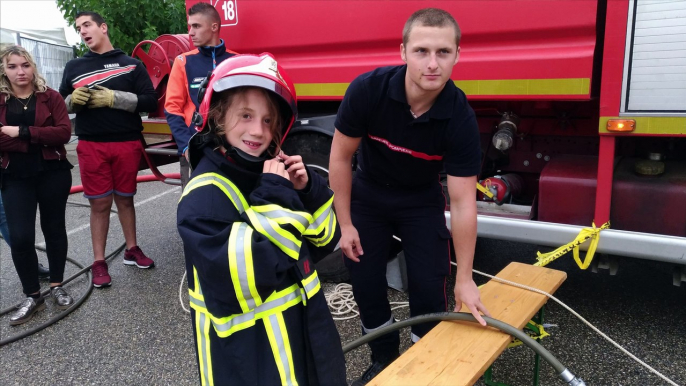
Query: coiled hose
point(63, 314)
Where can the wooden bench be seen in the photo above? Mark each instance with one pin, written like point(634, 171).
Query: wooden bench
point(458, 353)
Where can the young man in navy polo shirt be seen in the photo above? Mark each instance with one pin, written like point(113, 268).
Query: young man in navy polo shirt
point(412, 121)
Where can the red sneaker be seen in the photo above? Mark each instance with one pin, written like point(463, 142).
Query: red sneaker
point(101, 278)
point(135, 256)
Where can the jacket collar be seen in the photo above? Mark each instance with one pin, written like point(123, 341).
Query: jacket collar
point(443, 105)
point(218, 50)
point(244, 180)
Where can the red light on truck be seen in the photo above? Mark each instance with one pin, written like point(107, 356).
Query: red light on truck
point(621, 125)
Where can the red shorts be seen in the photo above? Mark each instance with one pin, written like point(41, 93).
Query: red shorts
point(109, 167)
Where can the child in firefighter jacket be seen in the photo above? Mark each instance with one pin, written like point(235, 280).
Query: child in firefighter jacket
point(253, 221)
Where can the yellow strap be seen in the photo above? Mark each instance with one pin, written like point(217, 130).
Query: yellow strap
point(542, 333)
point(484, 190)
point(585, 234)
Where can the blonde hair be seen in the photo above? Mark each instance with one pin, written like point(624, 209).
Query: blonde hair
point(227, 99)
point(39, 83)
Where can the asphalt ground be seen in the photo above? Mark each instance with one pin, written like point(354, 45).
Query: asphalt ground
point(136, 332)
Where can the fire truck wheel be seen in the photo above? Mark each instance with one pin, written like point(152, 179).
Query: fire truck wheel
point(315, 150)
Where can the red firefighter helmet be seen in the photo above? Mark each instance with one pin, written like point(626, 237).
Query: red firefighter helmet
point(248, 71)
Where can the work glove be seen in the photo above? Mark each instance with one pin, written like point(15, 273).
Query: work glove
point(101, 97)
point(79, 98)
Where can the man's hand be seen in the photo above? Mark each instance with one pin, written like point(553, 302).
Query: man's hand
point(275, 166)
point(11, 131)
point(79, 98)
point(101, 97)
point(350, 243)
point(296, 170)
point(466, 292)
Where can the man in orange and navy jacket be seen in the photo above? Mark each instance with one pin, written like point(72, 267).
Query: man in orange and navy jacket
point(188, 72)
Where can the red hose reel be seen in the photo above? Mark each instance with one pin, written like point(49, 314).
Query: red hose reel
point(158, 57)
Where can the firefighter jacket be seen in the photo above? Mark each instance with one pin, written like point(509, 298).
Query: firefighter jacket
point(250, 241)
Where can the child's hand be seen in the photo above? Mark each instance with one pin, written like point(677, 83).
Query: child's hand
point(296, 170)
point(275, 166)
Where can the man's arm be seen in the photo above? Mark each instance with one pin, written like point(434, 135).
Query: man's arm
point(341, 177)
point(176, 102)
point(463, 225)
point(147, 96)
point(143, 99)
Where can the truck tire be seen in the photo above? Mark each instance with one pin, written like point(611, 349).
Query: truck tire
point(315, 150)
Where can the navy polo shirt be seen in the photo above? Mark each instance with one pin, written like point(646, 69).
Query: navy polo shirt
point(399, 150)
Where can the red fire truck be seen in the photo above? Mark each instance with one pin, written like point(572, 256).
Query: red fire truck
point(581, 105)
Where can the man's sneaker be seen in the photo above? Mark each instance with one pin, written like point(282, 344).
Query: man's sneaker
point(101, 278)
point(375, 369)
point(135, 256)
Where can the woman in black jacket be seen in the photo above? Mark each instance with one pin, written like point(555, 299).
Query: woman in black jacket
point(35, 173)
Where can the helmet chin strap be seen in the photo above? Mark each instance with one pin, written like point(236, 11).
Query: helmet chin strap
point(248, 161)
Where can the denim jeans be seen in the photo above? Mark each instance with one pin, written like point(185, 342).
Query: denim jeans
point(3, 224)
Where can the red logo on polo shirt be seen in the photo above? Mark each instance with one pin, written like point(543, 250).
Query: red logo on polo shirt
point(400, 149)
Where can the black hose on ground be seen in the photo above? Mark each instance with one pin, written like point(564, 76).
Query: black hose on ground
point(74, 306)
point(561, 370)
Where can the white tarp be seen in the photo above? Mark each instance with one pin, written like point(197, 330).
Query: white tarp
point(48, 47)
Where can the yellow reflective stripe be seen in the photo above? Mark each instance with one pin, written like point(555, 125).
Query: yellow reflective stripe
point(328, 235)
point(156, 126)
point(555, 86)
point(299, 220)
point(321, 89)
point(197, 293)
point(249, 265)
point(558, 86)
point(275, 303)
point(284, 240)
point(198, 305)
point(311, 284)
point(325, 221)
point(202, 330)
point(241, 266)
point(196, 296)
point(224, 184)
point(275, 326)
point(243, 321)
point(321, 218)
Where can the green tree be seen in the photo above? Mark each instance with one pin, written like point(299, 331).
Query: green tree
point(131, 21)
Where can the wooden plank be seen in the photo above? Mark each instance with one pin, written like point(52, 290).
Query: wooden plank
point(458, 353)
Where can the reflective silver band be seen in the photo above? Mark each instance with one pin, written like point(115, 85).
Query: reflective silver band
point(268, 230)
point(280, 354)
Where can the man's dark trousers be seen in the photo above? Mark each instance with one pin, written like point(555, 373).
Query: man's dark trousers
point(417, 216)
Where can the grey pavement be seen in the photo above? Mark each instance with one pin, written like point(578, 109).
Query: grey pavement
point(136, 333)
